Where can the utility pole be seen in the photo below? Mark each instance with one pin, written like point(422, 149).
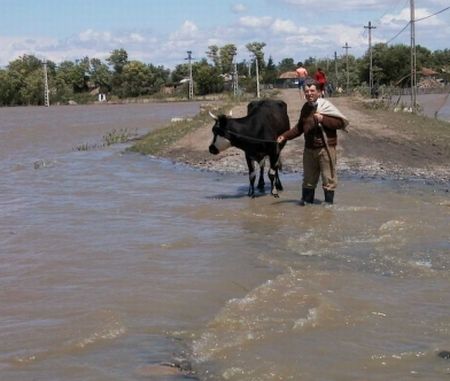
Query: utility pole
point(257, 77)
point(370, 27)
point(346, 47)
point(191, 81)
point(46, 92)
point(336, 69)
point(413, 58)
point(235, 81)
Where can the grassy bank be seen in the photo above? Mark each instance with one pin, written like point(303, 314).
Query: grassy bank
point(415, 127)
point(157, 141)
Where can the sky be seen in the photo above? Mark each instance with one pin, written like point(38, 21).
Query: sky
point(160, 32)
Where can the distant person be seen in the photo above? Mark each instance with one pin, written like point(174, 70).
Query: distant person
point(329, 89)
point(321, 79)
point(375, 91)
point(319, 121)
point(302, 73)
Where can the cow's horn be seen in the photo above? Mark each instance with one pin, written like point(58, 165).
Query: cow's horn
point(213, 116)
point(230, 113)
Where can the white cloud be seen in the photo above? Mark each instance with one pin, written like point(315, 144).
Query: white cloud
point(15, 47)
point(428, 21)
point(238, 8)
point(91, 35)
point(136, 37)
point(255, 22)
point(342, 5)
point(284, 26)
point(402, 18)
point(340, 34)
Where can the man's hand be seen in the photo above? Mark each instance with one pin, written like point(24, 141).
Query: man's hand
point(318, 117)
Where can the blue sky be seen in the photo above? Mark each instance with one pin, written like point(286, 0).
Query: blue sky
point(161, 31)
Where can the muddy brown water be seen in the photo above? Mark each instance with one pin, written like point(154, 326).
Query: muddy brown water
point(113, 262)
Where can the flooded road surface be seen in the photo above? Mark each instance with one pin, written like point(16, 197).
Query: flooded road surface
point(112, 262)
point(431, 105)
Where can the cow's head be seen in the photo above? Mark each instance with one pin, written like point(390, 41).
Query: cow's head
point(221, 134)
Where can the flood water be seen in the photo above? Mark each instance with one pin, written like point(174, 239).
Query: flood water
point(112, 261)
point(431, 105)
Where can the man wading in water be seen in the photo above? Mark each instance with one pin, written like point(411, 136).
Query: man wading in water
point(319, 120)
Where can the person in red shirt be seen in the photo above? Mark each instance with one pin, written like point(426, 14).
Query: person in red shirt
point(321, 79)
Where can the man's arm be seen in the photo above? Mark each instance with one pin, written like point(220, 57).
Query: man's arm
point(293, 132)
point(331, 122)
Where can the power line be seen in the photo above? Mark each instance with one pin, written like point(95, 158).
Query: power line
point(434, 14)
point(403, 29)
point(416, 20)
point(391, 9)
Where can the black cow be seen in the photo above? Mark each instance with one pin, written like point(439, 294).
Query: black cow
point(256, 135)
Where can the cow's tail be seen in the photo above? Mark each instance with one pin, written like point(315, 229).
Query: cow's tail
point(280, 164)
point(278, 149)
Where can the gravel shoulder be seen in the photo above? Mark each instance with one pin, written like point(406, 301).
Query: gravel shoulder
point(379, 143)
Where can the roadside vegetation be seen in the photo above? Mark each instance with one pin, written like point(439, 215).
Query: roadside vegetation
point(119, 78)
point(157, 141)
point(121, 135)
point(415, 126)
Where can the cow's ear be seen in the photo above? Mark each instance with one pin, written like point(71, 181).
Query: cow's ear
point(213, 116)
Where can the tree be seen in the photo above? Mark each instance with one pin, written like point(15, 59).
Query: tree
point(180, 72)
point(441, 58)
point(118, 59)
point(73, 75)
point(213, 54)
point(6, 88)
point(25, 65)
point(24, 81)
point(227, 54)
point(32, 92)
point(256, 48)
point(159, 76)
point(270, 73)
point(207, 78)
point(135, 80)
point(100, 76)
point(286, 64)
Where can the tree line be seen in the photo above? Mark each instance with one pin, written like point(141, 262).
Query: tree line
point(22, 81)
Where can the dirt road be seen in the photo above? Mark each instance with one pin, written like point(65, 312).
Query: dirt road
point(379, 143)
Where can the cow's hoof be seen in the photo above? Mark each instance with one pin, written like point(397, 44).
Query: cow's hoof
point(276, 195)
point(444, 355)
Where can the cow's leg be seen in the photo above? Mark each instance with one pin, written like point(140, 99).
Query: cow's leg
point(251, 175)
point(273, 175)
point(261, 183)
point(278, 184)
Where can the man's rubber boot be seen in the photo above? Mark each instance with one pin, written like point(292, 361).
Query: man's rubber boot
point(329, 196)
point(307, 196)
